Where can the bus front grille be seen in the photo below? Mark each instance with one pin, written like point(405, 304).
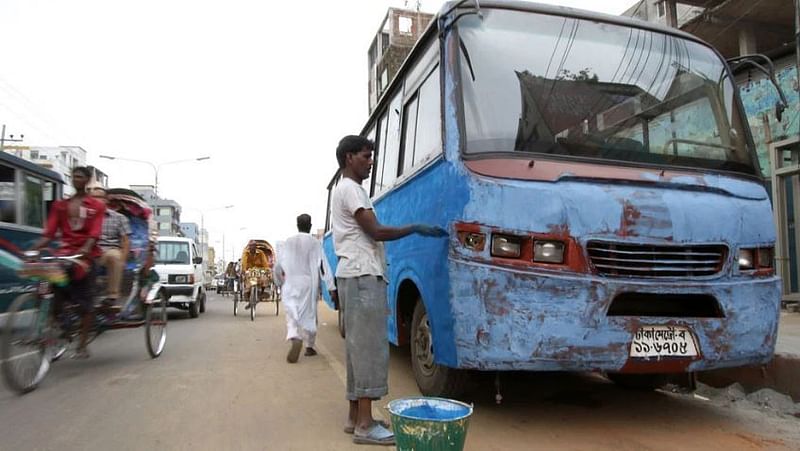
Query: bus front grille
point(648, 260)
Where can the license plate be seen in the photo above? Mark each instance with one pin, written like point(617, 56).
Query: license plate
point(663, 341)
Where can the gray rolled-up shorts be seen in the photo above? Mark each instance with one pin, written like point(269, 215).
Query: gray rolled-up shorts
point(364, 301)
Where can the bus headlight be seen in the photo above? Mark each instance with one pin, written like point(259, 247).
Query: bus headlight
point(765, 257)
point(746, 259)
point(506, 246)
point(548, 251)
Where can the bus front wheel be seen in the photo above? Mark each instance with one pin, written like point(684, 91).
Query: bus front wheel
point(432, 379)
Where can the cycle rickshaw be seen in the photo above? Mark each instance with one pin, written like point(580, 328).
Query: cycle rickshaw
point(34, 335)
point(257, 285)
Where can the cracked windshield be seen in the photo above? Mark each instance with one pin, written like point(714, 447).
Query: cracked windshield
point(601, 91)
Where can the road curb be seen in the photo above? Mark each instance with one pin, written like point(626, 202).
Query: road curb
point(782, 374)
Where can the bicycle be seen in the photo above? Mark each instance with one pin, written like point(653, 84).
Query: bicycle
point(35, 335)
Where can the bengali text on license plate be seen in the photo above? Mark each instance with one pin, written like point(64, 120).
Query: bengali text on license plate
point(663, 341)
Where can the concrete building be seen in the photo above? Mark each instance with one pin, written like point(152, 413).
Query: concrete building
point(746, 27)
point(60, 159)
point(661, 12)
point(395, 38)
point(166, 212)
point(190, 230)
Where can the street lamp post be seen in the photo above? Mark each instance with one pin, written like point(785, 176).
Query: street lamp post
point(155, 167)
point(203, 220)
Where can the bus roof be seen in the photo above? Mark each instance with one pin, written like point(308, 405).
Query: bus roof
point(33, 168)
point(517, 5)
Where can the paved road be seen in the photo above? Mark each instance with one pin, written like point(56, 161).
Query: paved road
point(223, 383)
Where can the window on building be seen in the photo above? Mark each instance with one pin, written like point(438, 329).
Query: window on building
point(428, 137)
point(384, 81)
point(164, 211)
point(405, 24)
point(8, 195)
point(661, 8)
point(34, 213)
point(164, 226)
point(373, 53)
point(384, 42)
point(34, 154)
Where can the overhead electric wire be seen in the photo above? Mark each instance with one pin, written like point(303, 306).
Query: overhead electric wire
point(564, 57)
point(555, 47)
point(737, 19)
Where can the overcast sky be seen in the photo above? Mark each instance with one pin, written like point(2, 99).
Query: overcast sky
point(266, 89)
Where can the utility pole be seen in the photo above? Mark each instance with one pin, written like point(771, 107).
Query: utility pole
point(797, 36)
point(11, 138)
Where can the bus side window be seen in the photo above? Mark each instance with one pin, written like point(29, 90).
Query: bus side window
point(377, 165)
point(8, 195)
point(391, 146)
point(429, 123)
point(34, 202)
point(408, 138)
point(368, 181)
point(49, 196)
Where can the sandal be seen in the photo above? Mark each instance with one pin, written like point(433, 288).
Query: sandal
point(376, 435)
point(350, 429)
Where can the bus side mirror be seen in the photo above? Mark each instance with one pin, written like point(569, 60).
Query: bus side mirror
point(767, 68)
point(198, 260)
point(779, 108)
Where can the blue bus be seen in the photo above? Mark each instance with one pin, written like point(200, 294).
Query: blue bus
point(27, 191)
point(602, 193)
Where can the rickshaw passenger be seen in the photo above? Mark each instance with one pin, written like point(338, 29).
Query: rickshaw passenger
point(230, 276)
point(114, 243)
point(252, 258)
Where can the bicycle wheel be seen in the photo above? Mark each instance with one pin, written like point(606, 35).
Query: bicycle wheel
point(155, 326)
point(253, 302)
point(25, 343)
point(277, 306)
point(235, 305)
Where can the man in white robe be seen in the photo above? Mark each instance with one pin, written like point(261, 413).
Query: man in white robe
point(301, 264)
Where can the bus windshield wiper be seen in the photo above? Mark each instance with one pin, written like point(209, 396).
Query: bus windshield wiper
point(466, 57)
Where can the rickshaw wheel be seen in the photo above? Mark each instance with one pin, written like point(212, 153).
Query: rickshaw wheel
point(24, 346)
point(253, 302)
point(155, 329)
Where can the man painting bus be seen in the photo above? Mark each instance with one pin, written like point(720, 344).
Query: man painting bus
point(357, 237)
point(79, 222)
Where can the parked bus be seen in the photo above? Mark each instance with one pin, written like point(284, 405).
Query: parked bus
point(26, 193)
point(602, 193)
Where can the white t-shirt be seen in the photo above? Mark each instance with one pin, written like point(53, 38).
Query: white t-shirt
point(359, 254)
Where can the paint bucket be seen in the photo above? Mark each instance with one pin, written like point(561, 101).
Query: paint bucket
point(429, 424)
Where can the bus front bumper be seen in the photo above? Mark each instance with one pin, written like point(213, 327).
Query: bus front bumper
point(506, 319)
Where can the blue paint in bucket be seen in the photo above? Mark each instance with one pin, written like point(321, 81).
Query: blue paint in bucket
point(429, 424)
point(433, 411)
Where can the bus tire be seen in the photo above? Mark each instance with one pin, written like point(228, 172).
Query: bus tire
point(432, 379)
point(642, 382)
